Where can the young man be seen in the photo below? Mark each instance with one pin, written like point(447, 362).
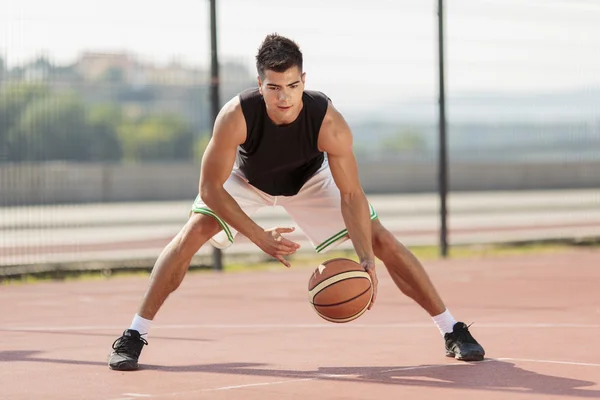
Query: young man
point(267, 149)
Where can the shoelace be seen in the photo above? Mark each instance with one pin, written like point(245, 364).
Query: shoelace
point(464, 335)
point(123, 344)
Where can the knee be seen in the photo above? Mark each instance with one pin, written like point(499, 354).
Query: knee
point(201, 227)
point(198, 229)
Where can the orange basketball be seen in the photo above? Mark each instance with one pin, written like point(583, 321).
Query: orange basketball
point(340, 290)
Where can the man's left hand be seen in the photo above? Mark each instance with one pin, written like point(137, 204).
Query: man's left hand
point(369, 266)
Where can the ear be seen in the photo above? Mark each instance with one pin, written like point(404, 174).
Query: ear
point(303, 77)
point(259, 84)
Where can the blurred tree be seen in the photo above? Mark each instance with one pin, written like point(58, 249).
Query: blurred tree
point(104, 122)
point(2, 69)
point(40, 124)
point(113, 75)
point(107, 114)
point(200, 145)
point(15, 98)
point(402, 142)
point(156, 137)
point(40, 69)
point(57, 127)
point(52, 128)
point(360, 151)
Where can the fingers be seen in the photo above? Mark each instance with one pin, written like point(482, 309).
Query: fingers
point(280, 246)
point(282, 260)
point(285, 251)
point(374, 282)
point(288, 243)
point(283, 240)
point(369, 266)
point(285, 230)
point(374, 297)
point(286, 246)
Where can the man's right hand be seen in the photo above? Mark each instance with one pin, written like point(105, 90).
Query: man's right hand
point(275, 245)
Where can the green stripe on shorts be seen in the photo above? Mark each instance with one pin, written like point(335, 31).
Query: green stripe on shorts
point(341, 234)
point(208, 211)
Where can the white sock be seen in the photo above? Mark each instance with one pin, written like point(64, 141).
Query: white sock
point(444, 321)
point(141, 325)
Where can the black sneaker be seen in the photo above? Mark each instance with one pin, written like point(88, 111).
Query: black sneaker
point(126, 351)
point(461, 345)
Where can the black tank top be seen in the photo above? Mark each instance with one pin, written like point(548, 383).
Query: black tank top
point(279, 159)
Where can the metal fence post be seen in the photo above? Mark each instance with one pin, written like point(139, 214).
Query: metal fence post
point(443, 159)
point(217, 257)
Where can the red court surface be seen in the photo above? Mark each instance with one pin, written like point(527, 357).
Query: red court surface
point(253, 335)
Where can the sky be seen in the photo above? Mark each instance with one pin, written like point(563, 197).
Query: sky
point(358, 52)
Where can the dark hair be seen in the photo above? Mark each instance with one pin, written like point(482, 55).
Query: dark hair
point(278, 54)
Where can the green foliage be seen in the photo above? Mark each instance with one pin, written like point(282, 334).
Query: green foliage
point(156, 137)
point(404, 141)
point(103, 122)
point(56, 127)
point(14, 100)
point(113, 75)
point(50, 128)
point(200, 146)
point(39, 125)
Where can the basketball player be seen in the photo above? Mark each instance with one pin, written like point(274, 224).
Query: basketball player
point(268, 149)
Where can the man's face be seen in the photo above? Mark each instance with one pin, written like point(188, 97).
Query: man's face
point(282, 92)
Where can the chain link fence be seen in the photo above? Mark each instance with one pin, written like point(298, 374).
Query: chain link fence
point(108, 108)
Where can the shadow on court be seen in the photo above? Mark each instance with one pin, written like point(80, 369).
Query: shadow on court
point(493, 375)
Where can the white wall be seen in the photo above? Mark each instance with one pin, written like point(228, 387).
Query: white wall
point(72, 182)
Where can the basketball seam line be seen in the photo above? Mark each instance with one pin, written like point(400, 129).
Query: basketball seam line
point(342, 320)
point(351, 272)
point(340, 277)
point(336, 278)
point(342, 302)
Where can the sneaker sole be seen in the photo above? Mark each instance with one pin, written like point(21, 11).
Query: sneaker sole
point(473, 357)
point(124, 366)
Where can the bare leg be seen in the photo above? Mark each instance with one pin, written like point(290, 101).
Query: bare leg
point(406, 270)
point(411, 278)
point(172, 264)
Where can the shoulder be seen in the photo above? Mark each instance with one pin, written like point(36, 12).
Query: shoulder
point(230, 121)
point(333, 117)
point(316, 99)
point(250, 99)
point(231, 111)
point(335, 131)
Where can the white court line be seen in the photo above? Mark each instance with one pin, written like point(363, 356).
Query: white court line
point(316, 377)
point(256, 384)
point(320, 376)
point(222, 388)
point(295, 326)
point(439, 365)
point(549, 362)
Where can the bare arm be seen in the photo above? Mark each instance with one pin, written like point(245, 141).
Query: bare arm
point(335, 138)
point(217, 163)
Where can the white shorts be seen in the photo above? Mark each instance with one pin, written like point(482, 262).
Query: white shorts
point(316, 209)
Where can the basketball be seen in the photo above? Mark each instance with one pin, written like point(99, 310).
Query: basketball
point(340, 290)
